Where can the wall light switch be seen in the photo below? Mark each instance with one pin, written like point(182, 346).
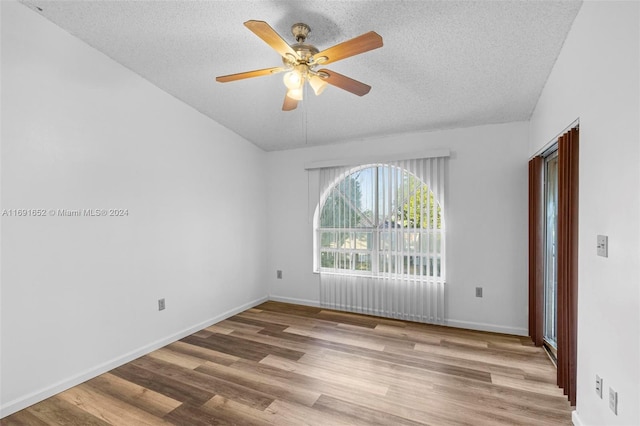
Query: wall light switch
point(603, 246)
point(599, 386)
point(478, 291)
point(279, 274)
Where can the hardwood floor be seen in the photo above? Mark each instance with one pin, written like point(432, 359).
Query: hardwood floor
point(291, 365)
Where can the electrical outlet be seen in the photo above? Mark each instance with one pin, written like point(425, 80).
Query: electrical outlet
point(279, 274)
point(613, 401)
point(478, 291)
point(161, 304)
point(599, 386)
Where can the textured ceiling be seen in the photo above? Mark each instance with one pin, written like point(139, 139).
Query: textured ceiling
point(444, 64)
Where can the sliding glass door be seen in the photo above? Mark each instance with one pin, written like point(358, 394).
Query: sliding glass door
point(550, 251)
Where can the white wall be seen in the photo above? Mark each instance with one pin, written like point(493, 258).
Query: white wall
point(486, 220)
point(596, 78)
point(79, 294)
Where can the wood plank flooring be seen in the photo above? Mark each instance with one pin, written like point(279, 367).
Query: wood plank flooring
point(292, 365)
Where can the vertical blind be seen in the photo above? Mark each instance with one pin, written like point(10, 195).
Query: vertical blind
point(380, 239)
point(568, 262)
point(536, 247)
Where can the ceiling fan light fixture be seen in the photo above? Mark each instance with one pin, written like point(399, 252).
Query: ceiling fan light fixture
point(293, 80)
point(317, 84)
point(295, 93)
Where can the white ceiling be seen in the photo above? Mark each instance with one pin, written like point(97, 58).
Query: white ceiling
point(444, 64)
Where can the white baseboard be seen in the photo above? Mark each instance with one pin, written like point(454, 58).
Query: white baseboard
point(495, 328)
point(294, 301)
point(37, 396)
point(449, 322)
point(575, 419)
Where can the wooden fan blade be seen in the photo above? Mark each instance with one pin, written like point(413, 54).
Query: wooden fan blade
point(355, 46)
point(289, 104)
point(272, 38)
point(344, 82)
point(249, 74)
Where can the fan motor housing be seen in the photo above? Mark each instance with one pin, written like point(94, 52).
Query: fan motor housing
point(305, 50)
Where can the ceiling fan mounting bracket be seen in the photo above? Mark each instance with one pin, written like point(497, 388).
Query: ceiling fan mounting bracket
point(300, 31)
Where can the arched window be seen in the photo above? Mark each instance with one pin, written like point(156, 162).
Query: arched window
point(380, 219)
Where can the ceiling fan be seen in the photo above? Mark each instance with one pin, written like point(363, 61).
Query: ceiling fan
point(301, 61)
